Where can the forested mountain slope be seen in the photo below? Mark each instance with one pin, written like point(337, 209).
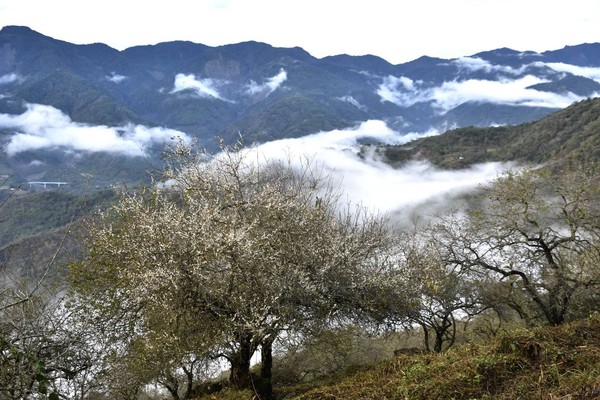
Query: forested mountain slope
point(567, 136)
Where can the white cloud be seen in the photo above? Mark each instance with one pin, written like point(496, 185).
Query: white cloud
point(351, 100)
point(588, 72)
point(9, 78)
point(509, 92)
point(477, 64)
point(203, 87)
point(116, 78)
point(404, 92)
point(367, 180)
point(269, 86)
point(45, 127)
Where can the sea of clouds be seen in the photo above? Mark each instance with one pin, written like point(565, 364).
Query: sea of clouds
point(362, 175)
point(368, 180)
point(45, 127)
point(507, 86)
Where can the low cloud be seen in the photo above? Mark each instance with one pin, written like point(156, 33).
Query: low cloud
point(116, 78)
point(405, 92)
point(475, 64)
point(45, 127)
point(509, 92)
point(587, 72)
point(269, 86)
point(351, 100)
point(367, 180)
point(9, 78)
point(207, 87)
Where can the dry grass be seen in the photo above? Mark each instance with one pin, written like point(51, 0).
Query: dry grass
point(542, 363)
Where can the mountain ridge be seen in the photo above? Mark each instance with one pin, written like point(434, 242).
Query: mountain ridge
point(262, 92)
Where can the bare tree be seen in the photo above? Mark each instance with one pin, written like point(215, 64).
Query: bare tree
point(537, 234)
point(233, 252)
point(44, 352)
point(440, 293)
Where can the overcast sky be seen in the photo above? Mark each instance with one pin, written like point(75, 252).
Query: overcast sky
point(397, 30)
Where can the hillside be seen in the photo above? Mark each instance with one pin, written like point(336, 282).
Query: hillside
point(37, 225)
point(567, 136)
point(221, 266)
point(542, 363)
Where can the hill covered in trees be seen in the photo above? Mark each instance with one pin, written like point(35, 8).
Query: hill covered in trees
point(568, 136)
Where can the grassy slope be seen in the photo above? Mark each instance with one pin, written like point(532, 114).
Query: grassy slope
point(543, 363)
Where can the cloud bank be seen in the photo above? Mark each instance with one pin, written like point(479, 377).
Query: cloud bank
point(9, 78)
point(405, 92)
point(475, 64)
point(587, 72)
point(507, 85)
point(367, 180)
point(267, 87)
point(207, 87)
point(45, 127)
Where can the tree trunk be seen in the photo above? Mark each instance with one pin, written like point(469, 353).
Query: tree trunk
point(172, 390)
point(425, 337)
point(172, 385)
point(439, 341)
point(266, 370)
point(239, 376)
point(189, 373)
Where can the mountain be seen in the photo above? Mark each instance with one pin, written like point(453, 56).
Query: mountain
point(569, 136)
point(69, 109)
point(94, 116)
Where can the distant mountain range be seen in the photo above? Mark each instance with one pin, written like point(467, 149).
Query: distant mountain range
point(68, 110)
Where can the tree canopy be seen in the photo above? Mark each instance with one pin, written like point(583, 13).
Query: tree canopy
point(537, 235)
point(230, 252)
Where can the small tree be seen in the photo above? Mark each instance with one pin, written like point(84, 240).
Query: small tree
point(232, 252)
point(43, 351)
point(537, 234)
point(439, 293)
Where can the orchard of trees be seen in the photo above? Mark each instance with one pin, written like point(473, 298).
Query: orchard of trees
point(230, 258)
